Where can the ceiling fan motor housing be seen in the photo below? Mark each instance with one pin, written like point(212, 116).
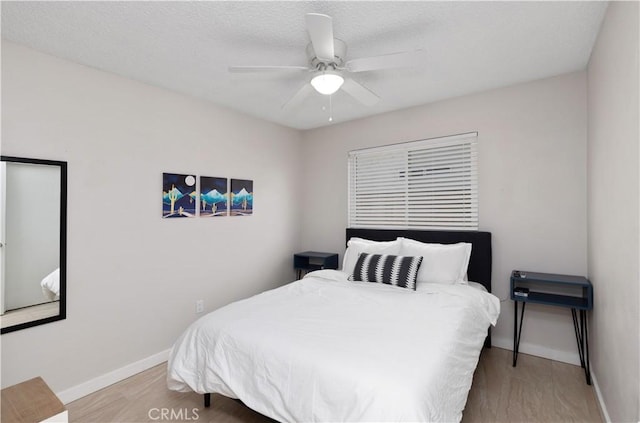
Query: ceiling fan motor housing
point(339, 53)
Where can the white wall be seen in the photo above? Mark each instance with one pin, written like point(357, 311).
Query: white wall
point(532, 186)
point(32, 232)
point(133, 277)
point(613, 213)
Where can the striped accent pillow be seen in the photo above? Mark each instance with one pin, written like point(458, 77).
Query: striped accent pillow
point(400, 271)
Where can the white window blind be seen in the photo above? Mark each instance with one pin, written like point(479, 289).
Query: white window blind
point(428, 184)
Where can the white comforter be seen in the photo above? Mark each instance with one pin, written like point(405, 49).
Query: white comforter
point(326, 349)
point(51, 285)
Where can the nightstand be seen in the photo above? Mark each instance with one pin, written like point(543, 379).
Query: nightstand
point(574, 292)
point(314, 260)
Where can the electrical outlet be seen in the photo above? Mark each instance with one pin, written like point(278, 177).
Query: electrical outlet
point(199, 306)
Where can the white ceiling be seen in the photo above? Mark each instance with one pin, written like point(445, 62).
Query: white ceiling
point(187, 46)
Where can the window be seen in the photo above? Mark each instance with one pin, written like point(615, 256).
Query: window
point(428, 184)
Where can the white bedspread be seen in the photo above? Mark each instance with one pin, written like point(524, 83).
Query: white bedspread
point(326, 349)
point(51, 285)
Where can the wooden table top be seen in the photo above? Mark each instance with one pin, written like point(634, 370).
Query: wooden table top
point(30, 401)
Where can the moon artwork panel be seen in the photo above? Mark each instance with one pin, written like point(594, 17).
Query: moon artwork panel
point(214, 196)
point(241, 197)
point(179, 195)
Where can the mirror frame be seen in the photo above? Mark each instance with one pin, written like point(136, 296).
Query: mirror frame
point(62, 314)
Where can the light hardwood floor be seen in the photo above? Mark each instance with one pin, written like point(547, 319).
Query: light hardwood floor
point(537, 390)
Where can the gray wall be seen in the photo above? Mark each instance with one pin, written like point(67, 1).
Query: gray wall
point(133, 277)
point(613, 213)
point(532, 186)
point(32, 231)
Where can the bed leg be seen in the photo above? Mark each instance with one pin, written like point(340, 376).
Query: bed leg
point(487, 340)
point(207, 400)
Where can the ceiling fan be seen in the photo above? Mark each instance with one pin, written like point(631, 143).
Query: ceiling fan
point(328, 66)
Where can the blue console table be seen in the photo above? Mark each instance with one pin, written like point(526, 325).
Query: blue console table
point(574, 292)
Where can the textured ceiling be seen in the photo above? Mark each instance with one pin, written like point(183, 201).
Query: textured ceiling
point(187, 46)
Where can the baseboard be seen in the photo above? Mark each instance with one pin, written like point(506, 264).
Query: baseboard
point(539, 351)
point(110, 378)
point(603, 407)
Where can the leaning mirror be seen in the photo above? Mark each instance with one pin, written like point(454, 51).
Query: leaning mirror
point(33, 242)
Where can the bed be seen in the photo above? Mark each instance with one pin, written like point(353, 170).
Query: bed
point(325, 348)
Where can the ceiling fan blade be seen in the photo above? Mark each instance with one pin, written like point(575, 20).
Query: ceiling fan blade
point(387, 61)
point(360, 92)
point(298, 97)
point(320, 29)
point(247, 69)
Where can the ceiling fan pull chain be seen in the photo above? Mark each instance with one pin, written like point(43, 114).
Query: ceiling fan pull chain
point(330, 108)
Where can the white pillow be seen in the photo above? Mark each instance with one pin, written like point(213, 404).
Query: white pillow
point(441, 263)
point(355, 246)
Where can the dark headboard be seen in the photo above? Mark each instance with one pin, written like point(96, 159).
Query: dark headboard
point(479, 264)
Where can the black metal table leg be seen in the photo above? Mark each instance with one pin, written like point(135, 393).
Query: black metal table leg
point(517, 331)
point(577, 327)
point(207, 400)
point(582, 339)
point(582, 336)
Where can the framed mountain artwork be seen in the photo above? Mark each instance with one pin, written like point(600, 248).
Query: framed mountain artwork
point(179, 195)
point(214, 196)
point(241, 197)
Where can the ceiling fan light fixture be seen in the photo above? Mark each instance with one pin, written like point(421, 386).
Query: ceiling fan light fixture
point(327, 83)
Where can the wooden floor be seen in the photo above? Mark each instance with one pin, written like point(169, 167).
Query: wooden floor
point(537, 390)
